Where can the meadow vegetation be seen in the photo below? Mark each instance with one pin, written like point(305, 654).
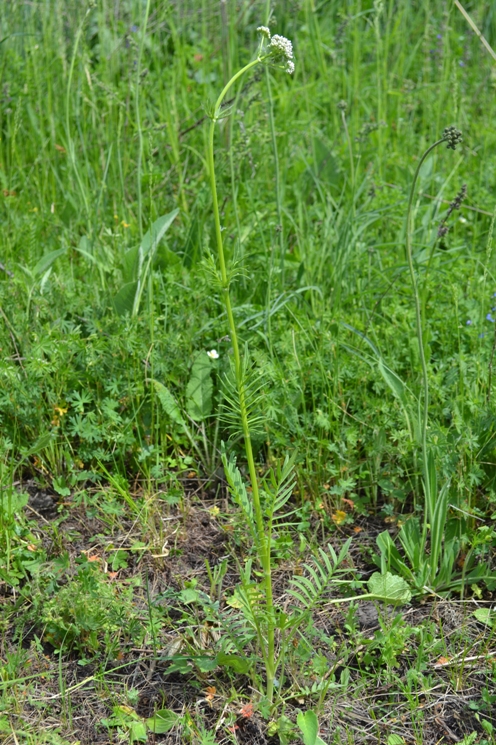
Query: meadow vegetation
point(248, 339)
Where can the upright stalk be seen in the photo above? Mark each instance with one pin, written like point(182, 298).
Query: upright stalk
point(262, 539)
point(70, 142)
point(277, 50)
point(452, 136)
point(277, 177)
point(138, 117)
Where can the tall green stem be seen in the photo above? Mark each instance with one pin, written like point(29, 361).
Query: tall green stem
point(419, 326)
point(138, 117)
point(263, 540)
point(277, 177)
point(70, 142)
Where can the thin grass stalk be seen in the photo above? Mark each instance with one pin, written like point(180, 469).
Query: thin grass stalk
point(70, 141)
point(423, 416)
point(275, 151)
point(138, 118)
point(342, 107)
point(453, 137)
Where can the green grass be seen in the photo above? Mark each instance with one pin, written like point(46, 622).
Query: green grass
point(103, 131)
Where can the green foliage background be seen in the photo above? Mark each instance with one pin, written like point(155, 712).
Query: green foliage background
point(102, 132)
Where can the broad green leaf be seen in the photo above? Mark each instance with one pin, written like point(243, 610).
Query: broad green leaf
point(145, 254)
point(162, 721)
point(199, 389)
point(309, 726)
point(41, 443)
point(389, 588)
point(205, 664)
point(137, 732)
point(124, 300)
point(189, 595)
point(486, 615)
point(129, 265)
point(399, 389)
point(239, 664)
point(152, 238)
point(410, 537)
point(394, 381)
point(180, 664)
point(46, 261)
point(12, 503)
point(168, 403)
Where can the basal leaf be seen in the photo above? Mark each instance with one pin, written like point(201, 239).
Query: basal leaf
point(486, 616)
point(199, 389)
point(240, 665)
point(162, 721)
point(389, 588)
point(124, 300)
point(137, 732)
point(152, 238)
point(309, 726)
point(129, 264)
point(46, 261)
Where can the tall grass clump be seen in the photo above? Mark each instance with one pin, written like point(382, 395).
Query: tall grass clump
point(432, 570)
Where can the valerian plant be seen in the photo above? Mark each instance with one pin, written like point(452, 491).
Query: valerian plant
point(263, 500)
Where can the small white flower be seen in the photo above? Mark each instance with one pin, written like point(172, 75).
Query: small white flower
point(279, 45)
point(264, 31)
point(290, 67)
point(213, 354)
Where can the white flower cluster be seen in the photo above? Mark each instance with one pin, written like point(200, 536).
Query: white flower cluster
point(279, 48)
point(264, 31)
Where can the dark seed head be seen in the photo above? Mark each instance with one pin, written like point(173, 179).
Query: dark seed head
point(453, 137)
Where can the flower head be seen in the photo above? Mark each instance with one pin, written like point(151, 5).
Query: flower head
point(489, 318)
point(213, 354)
point(281, 47)
point(264, 31)
point(469, 322)
point(276, 50)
